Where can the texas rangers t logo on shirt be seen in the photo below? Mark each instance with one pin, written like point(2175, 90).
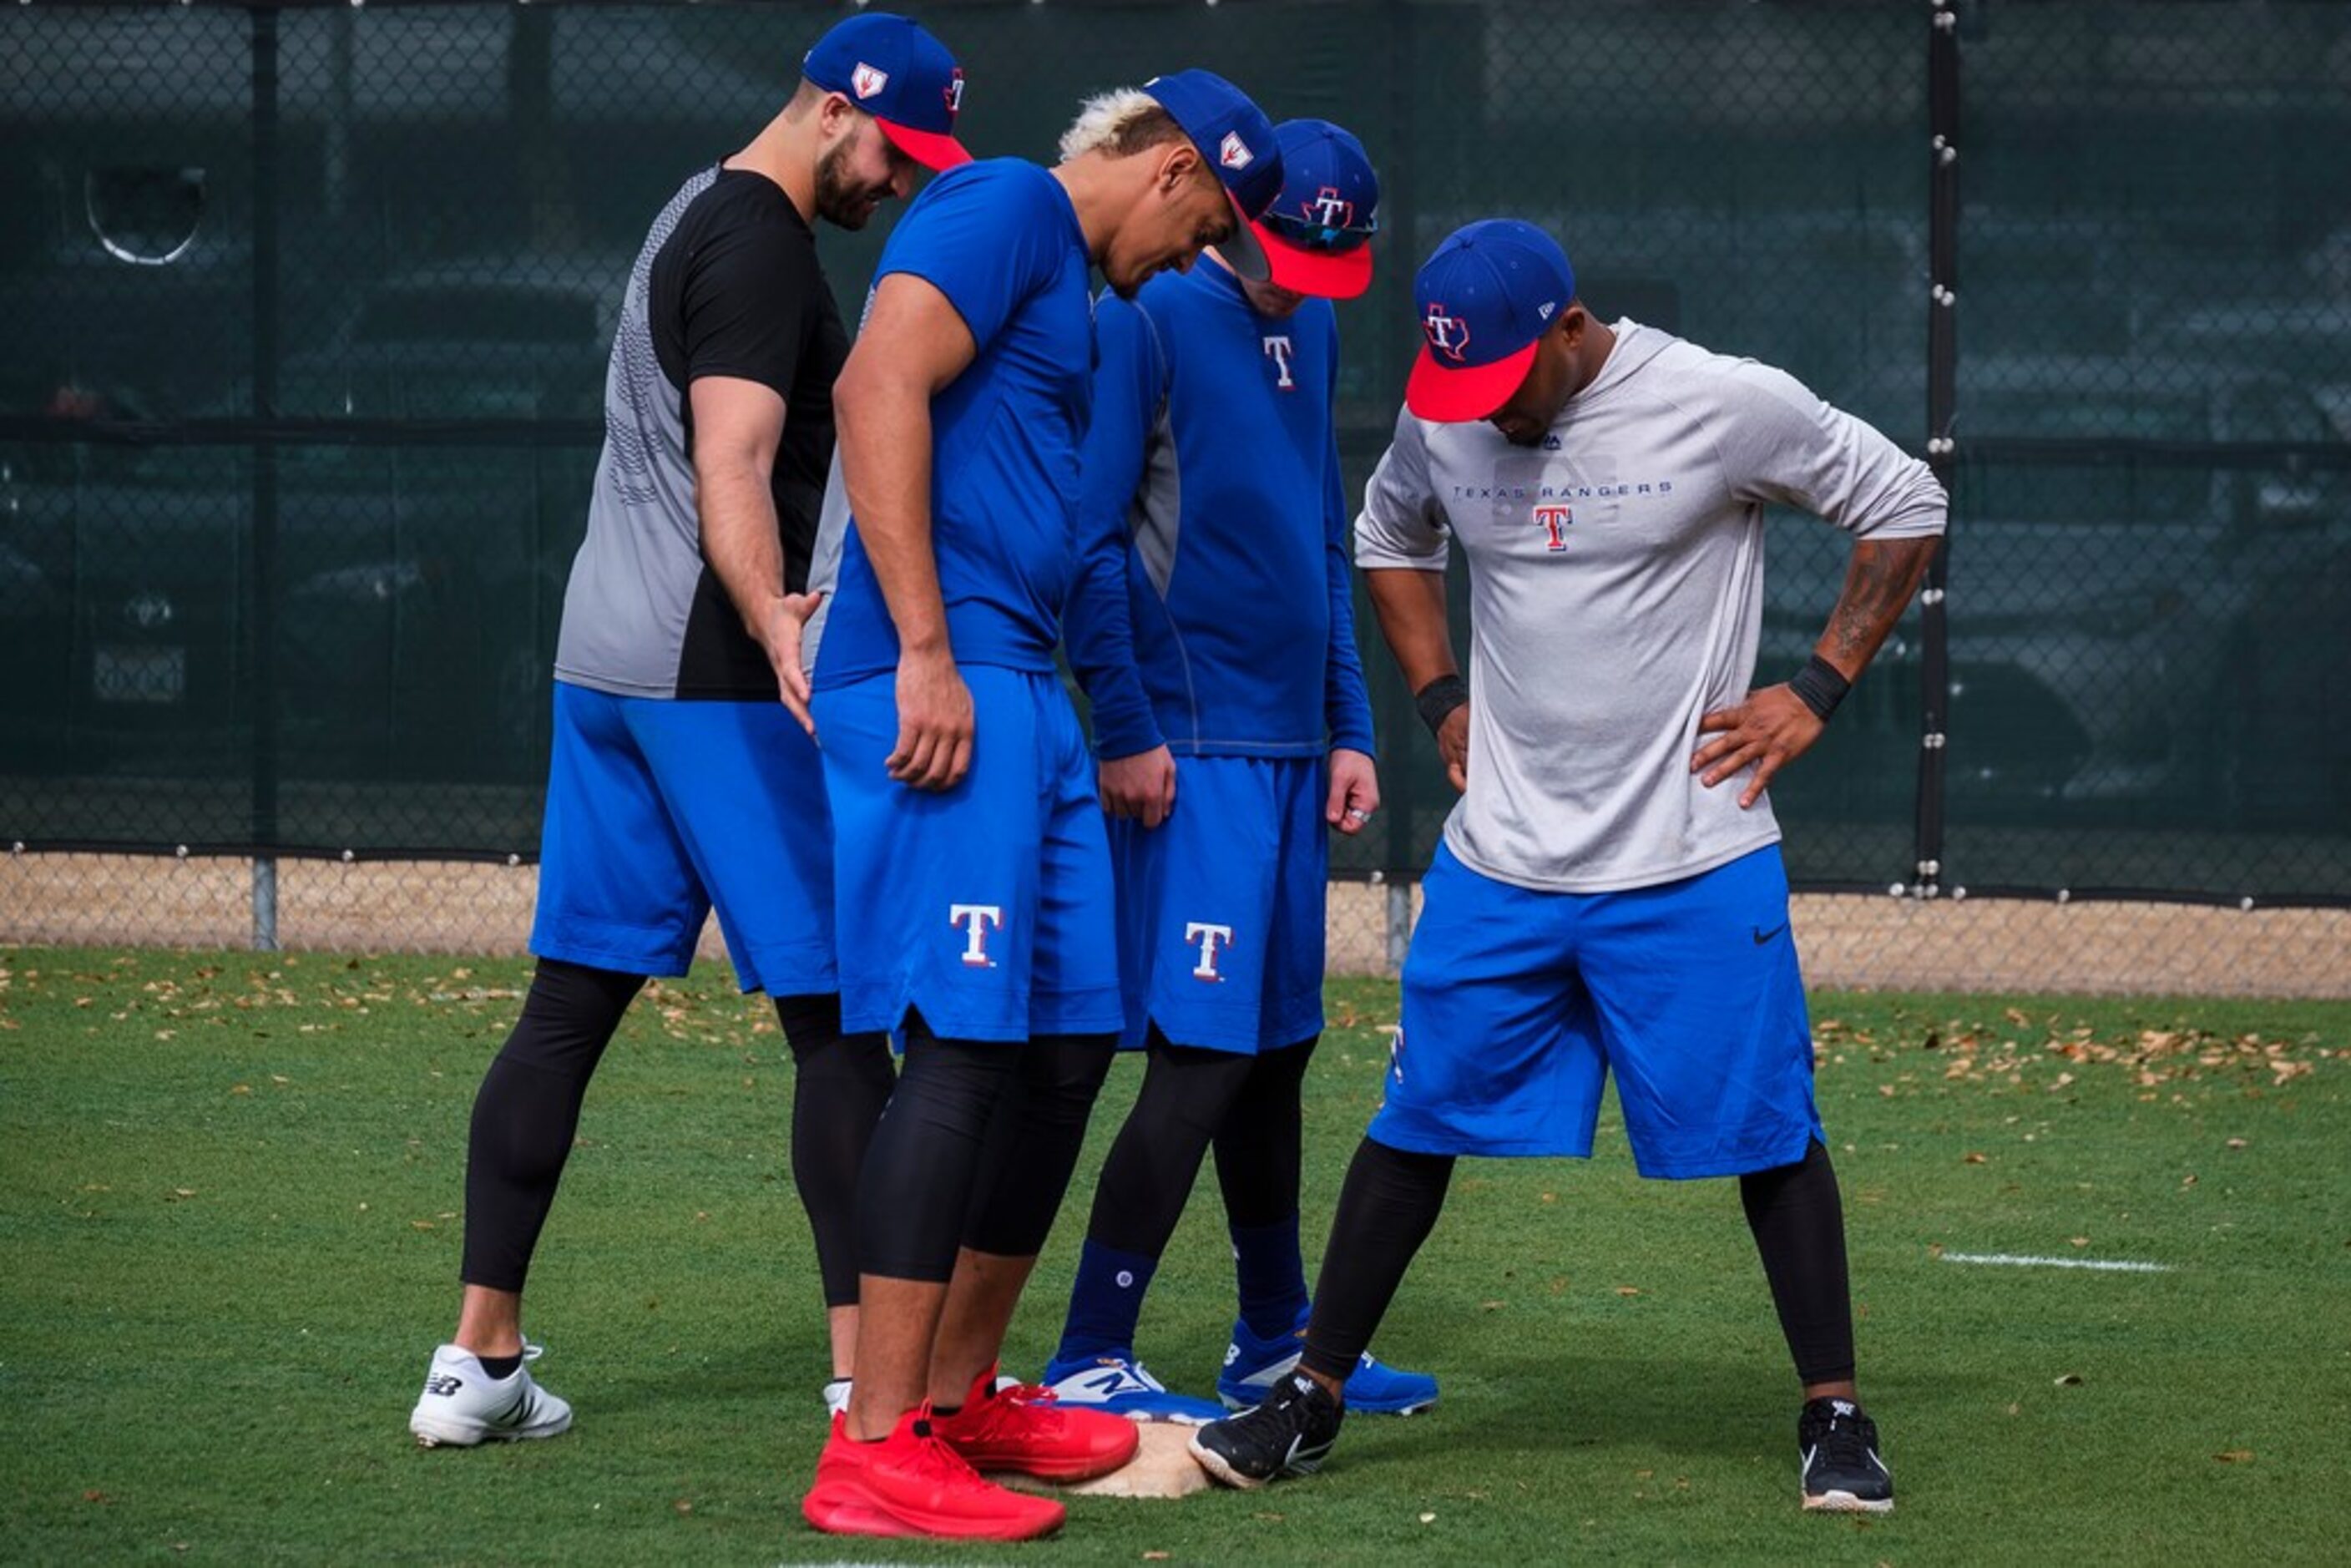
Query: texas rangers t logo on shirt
point(976, 920)
point(1447, 335)
point(1278, 350)
point(1554, 521)
point(1209, 939)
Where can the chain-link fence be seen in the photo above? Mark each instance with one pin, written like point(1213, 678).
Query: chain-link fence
point(301, 344)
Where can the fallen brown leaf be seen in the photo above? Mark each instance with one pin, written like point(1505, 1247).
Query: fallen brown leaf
point(2233, 1456)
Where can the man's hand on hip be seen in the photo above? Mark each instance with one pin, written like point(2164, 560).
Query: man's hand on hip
point(935, 723)
point(1141, 786)
point(1771, 729)
point(1355, 791)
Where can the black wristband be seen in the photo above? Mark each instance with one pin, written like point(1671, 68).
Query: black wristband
point(1819, 686)
point(1438, 700)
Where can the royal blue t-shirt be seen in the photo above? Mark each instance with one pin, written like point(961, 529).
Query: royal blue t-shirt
point(1001, 240)
point(1213, 611)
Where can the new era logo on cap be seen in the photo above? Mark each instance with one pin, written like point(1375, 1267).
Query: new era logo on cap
point(1485, 298)
point(899, 75)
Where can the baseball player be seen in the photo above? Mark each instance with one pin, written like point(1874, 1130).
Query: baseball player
point(1609, 896)
point(1214, 633)
point(972, 876)
point(678, 781)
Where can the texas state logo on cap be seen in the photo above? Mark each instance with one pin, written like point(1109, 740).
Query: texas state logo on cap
point(1490, 291)
point(1237, 138)
point(1318, 234)
point(898, 74)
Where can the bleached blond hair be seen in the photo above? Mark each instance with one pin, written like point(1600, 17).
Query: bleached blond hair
point(1123, 120)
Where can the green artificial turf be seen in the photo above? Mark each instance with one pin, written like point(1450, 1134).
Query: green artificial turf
point(229, 1232)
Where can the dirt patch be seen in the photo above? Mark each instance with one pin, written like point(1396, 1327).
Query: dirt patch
point(1848, 941)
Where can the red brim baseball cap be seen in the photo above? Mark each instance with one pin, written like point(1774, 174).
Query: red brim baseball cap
point(1333, 275)
point(1485, 298)
point(1450, 396)
point(931, 149)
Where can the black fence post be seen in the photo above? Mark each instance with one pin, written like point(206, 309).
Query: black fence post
point(262, 623)
point(1942, 377)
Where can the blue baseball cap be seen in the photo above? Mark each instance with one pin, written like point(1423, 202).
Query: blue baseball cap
point(898, 74)
point(1238, 140)
point(1318, 233)
point(1488, 294)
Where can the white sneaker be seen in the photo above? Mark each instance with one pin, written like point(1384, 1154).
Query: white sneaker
point(836, 1396)
point(462, 1405)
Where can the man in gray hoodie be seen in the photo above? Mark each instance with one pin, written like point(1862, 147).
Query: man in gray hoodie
point(1601, 902)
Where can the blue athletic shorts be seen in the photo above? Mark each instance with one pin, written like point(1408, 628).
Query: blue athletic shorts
point(657, 811)
point(1221, 906)
point(988, 906)
point(1518, 1004)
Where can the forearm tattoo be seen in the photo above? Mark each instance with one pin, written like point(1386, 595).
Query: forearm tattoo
point(1885, 573)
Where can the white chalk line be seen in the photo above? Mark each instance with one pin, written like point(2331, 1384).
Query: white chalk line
point(2016, 1260)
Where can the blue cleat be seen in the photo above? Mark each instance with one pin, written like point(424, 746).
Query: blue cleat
point(1121, 1386)
point(1253, 1367)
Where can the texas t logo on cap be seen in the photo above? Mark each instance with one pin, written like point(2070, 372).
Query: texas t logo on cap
point(1448, 335)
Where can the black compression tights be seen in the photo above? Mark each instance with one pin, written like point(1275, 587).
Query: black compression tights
point(1391, 1200)
point(1798, 1219)
point(529, 1109)
point(840, 1085)
point(1247, 1106)
point(976, 1149)
point(527, 1112)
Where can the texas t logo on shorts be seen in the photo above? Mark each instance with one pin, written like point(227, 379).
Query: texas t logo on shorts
point(975, 921)
point(1210, 940)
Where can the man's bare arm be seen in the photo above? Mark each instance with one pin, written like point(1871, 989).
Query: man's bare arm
point(913, 344)
point(1774, 725)
point(1410, 605)
point(738, 426)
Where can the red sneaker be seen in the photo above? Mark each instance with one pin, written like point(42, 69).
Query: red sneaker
point(909, 1483)
point(1023, 1428)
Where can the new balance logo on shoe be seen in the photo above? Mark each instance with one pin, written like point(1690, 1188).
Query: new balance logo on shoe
point(442, 1384)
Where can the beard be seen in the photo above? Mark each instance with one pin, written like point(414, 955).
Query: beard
point(839, 201)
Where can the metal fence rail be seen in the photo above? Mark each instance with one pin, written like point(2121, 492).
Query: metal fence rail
point(301, 347)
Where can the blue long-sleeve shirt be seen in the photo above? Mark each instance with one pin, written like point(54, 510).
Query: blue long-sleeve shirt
point(1212, 608)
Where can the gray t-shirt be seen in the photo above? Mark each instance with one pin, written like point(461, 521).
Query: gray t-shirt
point(1616, 593)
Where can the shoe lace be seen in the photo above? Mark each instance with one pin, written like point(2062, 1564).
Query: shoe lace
point(1843, 1444)
point(936, 1460)
point(1025, 1404)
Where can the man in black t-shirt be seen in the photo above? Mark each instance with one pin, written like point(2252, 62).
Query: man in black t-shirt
point(683, 777)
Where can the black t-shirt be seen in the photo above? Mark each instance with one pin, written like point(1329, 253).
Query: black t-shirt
point(736, 291)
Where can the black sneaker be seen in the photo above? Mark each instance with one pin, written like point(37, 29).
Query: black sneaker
point(1289, 1435)
point(1843, 1473)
